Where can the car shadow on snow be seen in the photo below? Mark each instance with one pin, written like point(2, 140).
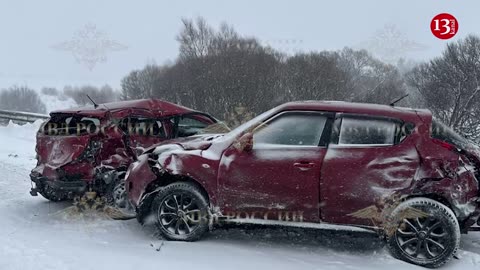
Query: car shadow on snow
point(253, 235)
point(471, 242)
point(301, 238)
point(41, 207)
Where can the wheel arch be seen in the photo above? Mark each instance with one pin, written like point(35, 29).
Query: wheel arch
point(436, 197)
point(154, 187)
point(443, 200)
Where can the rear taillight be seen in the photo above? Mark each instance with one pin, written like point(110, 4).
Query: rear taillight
point(445, 145)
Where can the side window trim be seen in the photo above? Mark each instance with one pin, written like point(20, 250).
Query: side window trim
point(326, 132)
point(162, 126)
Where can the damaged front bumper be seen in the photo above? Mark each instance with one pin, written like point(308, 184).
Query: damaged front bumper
point(63, 186)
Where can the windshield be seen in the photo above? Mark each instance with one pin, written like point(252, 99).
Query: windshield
point(251, 124)
point(444, 133)
point(197, 123)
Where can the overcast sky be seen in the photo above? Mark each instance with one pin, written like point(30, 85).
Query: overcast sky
point(39, 38)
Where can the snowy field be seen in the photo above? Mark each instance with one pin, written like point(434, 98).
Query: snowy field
point(36, 235)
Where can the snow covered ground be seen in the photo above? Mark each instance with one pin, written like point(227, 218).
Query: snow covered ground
point(35, 234)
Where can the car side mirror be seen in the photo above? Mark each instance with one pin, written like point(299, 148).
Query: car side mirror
point(244, 143)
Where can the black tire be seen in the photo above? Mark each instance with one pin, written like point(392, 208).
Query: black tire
point(52, 195)
point(429, 242)
point(181, 212)
point(118, 197)
point(115, 191)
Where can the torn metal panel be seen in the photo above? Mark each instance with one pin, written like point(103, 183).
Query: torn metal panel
point(82, 145)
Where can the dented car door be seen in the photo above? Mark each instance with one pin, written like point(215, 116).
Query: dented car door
point(279, 177)
point(368, 159)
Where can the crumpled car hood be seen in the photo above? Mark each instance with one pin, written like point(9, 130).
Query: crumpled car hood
point(196, 142)
point(199, 142)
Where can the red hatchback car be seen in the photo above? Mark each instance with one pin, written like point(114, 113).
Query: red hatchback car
point(391, 169)
point(90, 148)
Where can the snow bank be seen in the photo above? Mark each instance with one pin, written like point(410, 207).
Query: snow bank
point(17, 143)
point(54, 103)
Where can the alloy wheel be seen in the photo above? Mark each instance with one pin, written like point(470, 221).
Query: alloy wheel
point(179, 214)
point(422, 238)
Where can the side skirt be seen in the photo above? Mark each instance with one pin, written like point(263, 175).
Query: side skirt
point(310, 225)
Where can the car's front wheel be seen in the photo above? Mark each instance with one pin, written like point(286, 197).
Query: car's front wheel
point(181, 212)
point(428, 241)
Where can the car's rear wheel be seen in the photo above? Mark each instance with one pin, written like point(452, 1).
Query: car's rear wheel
point(426, 241)
point(181, 212)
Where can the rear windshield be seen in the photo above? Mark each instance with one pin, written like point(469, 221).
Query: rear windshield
point(444, 133)
point(67, 125)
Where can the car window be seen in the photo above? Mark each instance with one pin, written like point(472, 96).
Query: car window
point(444, 133)
point(188, 126)
point(144, 127)
point(356, 131)
point(191, 122)
point(87, 125)
point(292, 129)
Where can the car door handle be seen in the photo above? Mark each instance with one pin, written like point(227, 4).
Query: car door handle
point(304, 166)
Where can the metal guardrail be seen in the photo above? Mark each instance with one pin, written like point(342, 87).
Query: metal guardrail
point(20, 117)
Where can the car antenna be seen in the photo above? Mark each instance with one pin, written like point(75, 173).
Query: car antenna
point(397, 100)
point(95, 105)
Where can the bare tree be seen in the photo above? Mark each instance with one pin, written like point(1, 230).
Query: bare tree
point(99, 95)
point(195, 38)
point(450, 86)
point(369, 79)
point(218, 71)
point(314, 76)
point(224, 73)
point(21, 98)
point(49, 91)
point(141, 83)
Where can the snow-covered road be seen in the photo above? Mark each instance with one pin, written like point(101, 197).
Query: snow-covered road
point(36, 235)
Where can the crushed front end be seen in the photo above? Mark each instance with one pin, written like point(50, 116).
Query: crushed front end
point(75, 154)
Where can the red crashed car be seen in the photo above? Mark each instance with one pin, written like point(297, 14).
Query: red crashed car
point(394, 170)
point(89, 148)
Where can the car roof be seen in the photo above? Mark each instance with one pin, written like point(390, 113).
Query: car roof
point(156, 106)
point(355, 108)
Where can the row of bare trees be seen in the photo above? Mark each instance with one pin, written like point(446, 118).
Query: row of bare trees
point(235, 77)
point(79, 94)
point(23, 98)
point(224, 73)
point(219, 71)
